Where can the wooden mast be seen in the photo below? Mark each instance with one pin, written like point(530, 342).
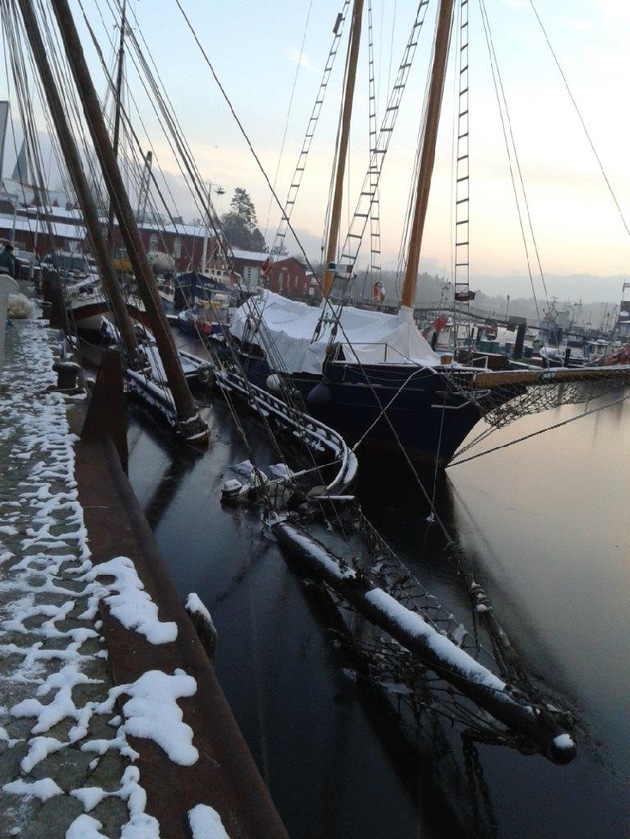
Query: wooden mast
point(206, 233)
point(190, 425)
point(90, 213)
point(427, 159)
point(335, 217)
point(117, 109)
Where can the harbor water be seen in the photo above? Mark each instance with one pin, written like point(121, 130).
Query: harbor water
point(544, 525)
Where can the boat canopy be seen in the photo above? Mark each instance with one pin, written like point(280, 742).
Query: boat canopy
point(366, 336)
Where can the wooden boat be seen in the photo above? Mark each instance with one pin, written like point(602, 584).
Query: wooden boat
point(370, 374)
point(212, 300)
point(205, 318)
point(366, 585)
point(176, 402)
point(87, 306)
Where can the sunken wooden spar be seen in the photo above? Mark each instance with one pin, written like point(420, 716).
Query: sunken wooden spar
point(435, 650)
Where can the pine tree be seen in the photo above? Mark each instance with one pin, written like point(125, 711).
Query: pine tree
point(240, 223)
point(242, 205)
point(258, 241)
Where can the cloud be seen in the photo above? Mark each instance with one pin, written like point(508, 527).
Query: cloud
point(297, 57)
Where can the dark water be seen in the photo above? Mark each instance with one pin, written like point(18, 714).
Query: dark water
point(545, 525)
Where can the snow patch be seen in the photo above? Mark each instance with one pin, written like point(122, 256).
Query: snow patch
point(205, 823)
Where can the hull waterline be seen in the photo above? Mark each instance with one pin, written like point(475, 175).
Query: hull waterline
point(389, 408)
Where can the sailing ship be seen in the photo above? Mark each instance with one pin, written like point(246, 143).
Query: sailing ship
point(362, 584)
point(173, 400)
point(371, 374)
point(207, 317)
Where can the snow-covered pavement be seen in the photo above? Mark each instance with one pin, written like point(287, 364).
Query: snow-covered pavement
point(70, 736)
point(65, 765)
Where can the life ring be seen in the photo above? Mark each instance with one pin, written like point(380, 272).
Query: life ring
point(378, 292)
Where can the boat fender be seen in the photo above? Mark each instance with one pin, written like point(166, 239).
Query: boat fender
point(319, 395)
point(205, 374)
point(273, 383)
point(562, 749)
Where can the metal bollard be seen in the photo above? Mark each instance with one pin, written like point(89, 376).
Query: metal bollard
point(67, 374)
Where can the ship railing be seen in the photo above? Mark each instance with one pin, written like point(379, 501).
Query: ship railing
point(154, 394)
point(315, 434)
point(388, 354)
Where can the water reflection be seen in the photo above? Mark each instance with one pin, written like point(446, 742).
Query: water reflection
point(543, 525)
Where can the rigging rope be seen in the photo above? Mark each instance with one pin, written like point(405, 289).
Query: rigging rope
point(288, 116)
point(401, 582)
point(534, 433)
point(510, 145)
point(581, 118)
point(300, 166)
point(390, 666)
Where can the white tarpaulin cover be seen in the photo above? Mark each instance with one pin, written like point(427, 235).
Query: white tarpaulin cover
point(367, 336)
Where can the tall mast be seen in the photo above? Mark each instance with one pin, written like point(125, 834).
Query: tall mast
point(427, 159)
point(4, 121)
point(191, 426)
point(145, 183)
point(117, 110)
point(335, 216)
point(73, 162)
point(206, 232)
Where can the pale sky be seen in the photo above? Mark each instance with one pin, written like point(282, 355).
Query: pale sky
point(269, 56)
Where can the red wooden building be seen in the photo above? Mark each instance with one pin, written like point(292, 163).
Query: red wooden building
point(290, 278)
point(62, 229)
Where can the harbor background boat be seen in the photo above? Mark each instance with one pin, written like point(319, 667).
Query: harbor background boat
point(549, 543)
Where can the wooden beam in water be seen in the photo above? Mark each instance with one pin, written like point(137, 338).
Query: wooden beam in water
point(436, 651)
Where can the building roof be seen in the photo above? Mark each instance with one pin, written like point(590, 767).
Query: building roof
point(55, 213)
point(27, 193)
point(23, 224)
point(250, 256)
